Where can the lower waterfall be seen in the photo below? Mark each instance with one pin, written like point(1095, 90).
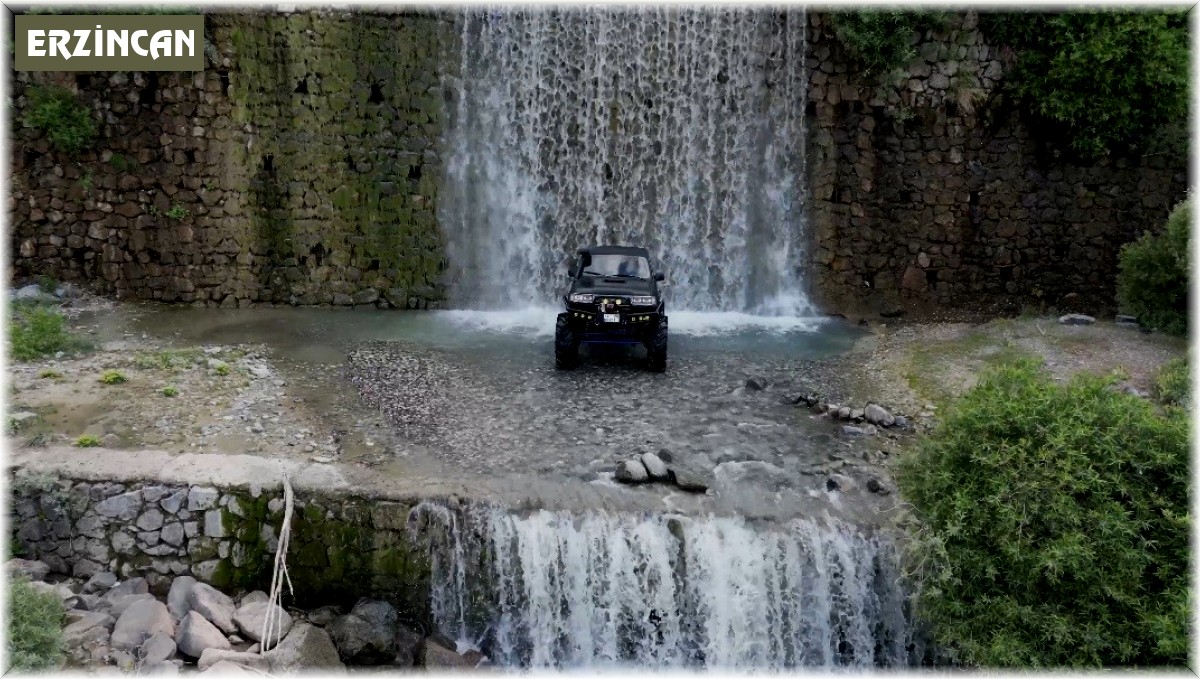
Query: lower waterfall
point(597, 590)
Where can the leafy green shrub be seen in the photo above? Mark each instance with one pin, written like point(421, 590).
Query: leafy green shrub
point(1053, 524)
point(222, 369)
point(178, 211)
point(50, 374)
point(87, 441)
point(170, 391)
point(34, 629)
point(112, 377)
point(880, 39)
point(1101, 79)
point(67, 123)
point(36, 331)
point(1173, 384)
point(1152, 281)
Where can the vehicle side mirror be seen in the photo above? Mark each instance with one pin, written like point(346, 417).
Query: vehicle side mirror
point(659, 276)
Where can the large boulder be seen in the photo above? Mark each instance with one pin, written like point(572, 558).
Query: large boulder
point(878, 415)
point(130, 586)
point(100, 583)
point(139, 622)
point(36, 571)
point(408, 647)
point(214, 606)
point(435, 656)
point(250, 618)
point(632, 471)
point(87, 627)
point(158, 649)
point(305, 648)
point(254, 661)
point(655, 467)
point(179, 596)
point(379, 613)
point(362, 643)
point(253, 598)
point(196, 634)
point(121, 604)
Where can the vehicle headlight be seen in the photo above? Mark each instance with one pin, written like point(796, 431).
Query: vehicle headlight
point(647, 300)
point(582, 298)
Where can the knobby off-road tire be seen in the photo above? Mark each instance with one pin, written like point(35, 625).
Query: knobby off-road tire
point(656, 348)
point(566, 344)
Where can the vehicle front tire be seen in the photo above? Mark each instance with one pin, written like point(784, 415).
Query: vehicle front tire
point(656, 347)
point(566, 344)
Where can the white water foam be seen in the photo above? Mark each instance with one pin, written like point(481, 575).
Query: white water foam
point(603, 591)
point(538, 322)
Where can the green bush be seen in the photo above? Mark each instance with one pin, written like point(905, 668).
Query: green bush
point(880, 39)
point(36, 331)
point(1101, 79)
point(1152, 281)
point(1173, 384)
point(1052, 525)
point(87, 441)
point(112, 377)
point(34, 629)
point(67, 123)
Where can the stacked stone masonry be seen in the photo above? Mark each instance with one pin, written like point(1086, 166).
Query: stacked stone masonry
point(303, 166)
point(339, 547)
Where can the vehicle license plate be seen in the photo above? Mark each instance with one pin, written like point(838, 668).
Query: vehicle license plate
point(612, 318)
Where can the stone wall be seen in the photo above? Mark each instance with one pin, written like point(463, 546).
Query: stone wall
point(302, 167)
point(299, 168)
point(341, 547)
point(929, 191)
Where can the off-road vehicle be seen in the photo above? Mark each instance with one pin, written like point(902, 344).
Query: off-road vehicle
point(613, 299)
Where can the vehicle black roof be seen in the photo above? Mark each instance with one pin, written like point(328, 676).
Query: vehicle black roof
point(616, 250)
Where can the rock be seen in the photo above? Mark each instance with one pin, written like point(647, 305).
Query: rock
point(655, 467)
point(158, 669)
point(1126, 321)
point(64, 593)
point(157, 649)
point(255, 597)
point(214, 606)
point(251, 617)
point(101, 582)
point(843, 413)
point(379, 613)
point(848, 430)
point(130, 586)
point(197, 634)
point(1076, 319)
point(151, 520)
point(92, 617)
point(213, 656)
point(124, 506)
point(139, 622)
point(87, 627)
point(226, 668)
point(359, 642)
point(755, 384)
point(200, 499)
point(117, 607)
point(124, 660)
point(17, 419)
point(690, 479)
point(665, 455)
point(856, 414)
point(901, 422)
point(408, 647)
point(434, 655)
point(36, 571)
point(34, 293)
point(632, 471)
point(876, 486)
point(877, 415)
point(179, 596)
point(172, 534)
point(324, 615)
point(839, 482)
point(305, 648)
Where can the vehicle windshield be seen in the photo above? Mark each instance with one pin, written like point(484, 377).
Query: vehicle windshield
point(624, 266)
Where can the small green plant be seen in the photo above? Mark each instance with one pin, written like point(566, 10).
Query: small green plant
point(35, 620)
point(222, 369)
point(86, 183)
point(87, 441)
point(152, 209)
point(178, 211)
point(170, 392)
point(1173, 383)
point(47, 284)
point(1052, 525)
point(1152, 283)
point(37, 331)
point(112, 377)
point(50, 374)
point(67, 123)
point(210, 185)
point(119, 162)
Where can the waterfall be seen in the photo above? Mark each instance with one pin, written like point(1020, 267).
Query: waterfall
point(674, 128)
point(597, 590)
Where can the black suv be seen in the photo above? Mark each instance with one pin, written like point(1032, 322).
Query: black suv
point(613, 299)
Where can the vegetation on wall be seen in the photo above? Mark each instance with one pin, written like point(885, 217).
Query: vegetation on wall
point(1152, 283)
point(1053, 524)
point(1101, 79)
point(67, 123)
point(881, 40)
point(34, 629)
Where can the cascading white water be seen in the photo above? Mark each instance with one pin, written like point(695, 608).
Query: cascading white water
point(552, 589)
point(674, 128)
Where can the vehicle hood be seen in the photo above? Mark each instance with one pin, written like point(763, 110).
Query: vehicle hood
point(613, 286)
